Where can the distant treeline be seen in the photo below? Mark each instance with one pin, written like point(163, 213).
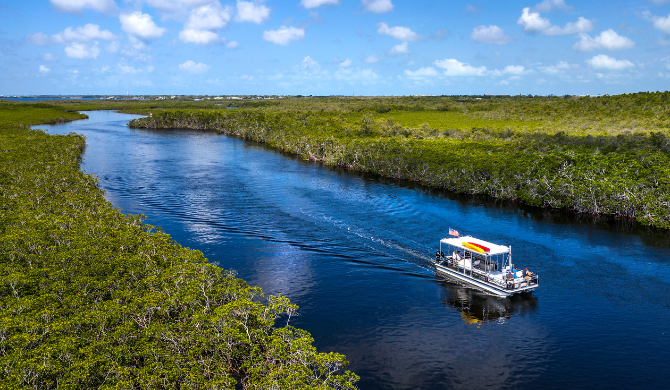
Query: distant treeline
point(606, 155)
point(92, 298)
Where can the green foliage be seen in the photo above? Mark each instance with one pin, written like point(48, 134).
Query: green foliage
point(92, 298)
point(520, 150)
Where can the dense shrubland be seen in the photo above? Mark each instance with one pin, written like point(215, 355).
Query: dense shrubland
point(607, 155)
point(92, 298)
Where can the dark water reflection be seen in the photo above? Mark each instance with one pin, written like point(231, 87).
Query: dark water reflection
point(353, 251)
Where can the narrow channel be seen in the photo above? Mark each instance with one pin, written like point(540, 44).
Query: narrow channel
point(354, 253)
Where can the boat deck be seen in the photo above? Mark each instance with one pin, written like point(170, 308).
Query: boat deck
point(494, 281)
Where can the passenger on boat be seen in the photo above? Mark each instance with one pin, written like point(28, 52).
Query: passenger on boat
point(456, 255)
point(527, 273)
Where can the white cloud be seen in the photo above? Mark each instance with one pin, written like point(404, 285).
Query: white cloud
point(247, 11)
point(200, 37)
point(82, 51)
point(490, 34)
point(39, 38)
point(514, 70)
point(560, 68)
point(44, 69)
point(552, 5)
point(532, 22)
point(582, 25)
point(659, 22)
point(50, 57)
point(86, 33)
point(456, 68)
point(209, 17)
point(603, 62)
point(176, 9)
point(377, 6)
point(192, 67)
point(309, 64)
point(140, 25)
point(135, 49)
point(371, 59)
point(345, 63)
point(127, 69)
point(76, 6)
point(608, 40)
point(400, 33)
point(309, 4)
point(284, 35)
point(423, 72)
point(401, 48)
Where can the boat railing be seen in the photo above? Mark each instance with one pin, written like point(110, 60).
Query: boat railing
point(479, 272)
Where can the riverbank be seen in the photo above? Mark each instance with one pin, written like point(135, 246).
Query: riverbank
point(602, 157)
point(90, 297)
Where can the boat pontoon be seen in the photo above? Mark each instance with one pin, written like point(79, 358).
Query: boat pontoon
point(484, 265)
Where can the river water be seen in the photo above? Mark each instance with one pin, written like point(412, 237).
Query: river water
point(354, 253)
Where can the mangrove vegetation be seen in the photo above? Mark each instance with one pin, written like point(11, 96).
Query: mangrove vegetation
point(606, 155)
point(93, 298)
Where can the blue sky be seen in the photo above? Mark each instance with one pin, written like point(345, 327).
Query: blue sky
point(328, 47)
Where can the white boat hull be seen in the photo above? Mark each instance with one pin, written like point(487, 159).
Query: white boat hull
point(488, 287)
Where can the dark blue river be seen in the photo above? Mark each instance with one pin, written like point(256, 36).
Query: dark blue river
point(354, 253)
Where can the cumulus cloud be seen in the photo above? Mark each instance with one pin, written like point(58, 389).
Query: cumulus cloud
point(603, 62)
point(401, 48)
point(371, 59)
point(176, 9)
point(309, 4)
point(44, 69)
point(660, 23)
point(201, 37)
point(560, 68)
point(209, 17)
point(88, 32)
point(514, 70)
point(552, 5)
point(50, 57)
point(608, 40)
point(85, 33)
point(203, 21)
point(490, 34)
point(140, 25)
point(400, 33)
point(377, 6)
point(284, 35)
point(532, 22)
point(82, 51)
point(247, 11)
point(309, 64)
point(135, 49)
point(456, 68)
point(76, 6)
point(422, 72)
point(192, 67)
point(345, 63)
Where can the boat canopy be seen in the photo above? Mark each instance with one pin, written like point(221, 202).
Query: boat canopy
point(458, 243)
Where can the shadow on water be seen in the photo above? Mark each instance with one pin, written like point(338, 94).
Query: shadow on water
point(477, 307)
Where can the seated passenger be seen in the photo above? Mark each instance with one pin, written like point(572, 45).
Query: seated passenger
point(527, 273)
point(456, 255)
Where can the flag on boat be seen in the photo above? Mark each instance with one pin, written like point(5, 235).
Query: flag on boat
point(453, 232)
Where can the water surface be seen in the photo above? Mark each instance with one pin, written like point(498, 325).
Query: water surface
point(354, 253)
